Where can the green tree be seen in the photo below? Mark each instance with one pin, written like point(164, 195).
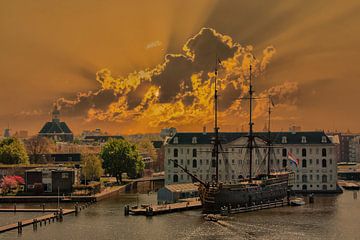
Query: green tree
point(12, 151)
point(91, 167)
point(145, 146)
point(119, 157)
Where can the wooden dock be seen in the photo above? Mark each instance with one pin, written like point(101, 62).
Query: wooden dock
point(37, 221)
point(152, 210)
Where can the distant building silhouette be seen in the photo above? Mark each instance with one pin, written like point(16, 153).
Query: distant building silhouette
point(57, 130)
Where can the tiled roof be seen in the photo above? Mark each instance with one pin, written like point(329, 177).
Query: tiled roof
point(55, 127)
point(227, 137)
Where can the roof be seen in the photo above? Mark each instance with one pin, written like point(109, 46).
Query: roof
point(183, 187)
point(158, 144)
point(56, 169)
point(55, 127)
point(227, 137)
point(103, 138)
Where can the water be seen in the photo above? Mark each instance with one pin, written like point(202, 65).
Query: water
point(331, 217)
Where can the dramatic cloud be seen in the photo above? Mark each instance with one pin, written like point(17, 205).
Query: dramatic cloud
point(179, 91)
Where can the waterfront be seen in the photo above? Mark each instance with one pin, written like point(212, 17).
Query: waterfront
point(331, 217)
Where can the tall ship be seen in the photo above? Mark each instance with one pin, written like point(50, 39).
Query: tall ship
point(253, 189)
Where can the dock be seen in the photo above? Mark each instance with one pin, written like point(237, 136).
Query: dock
point(349, 185)
point(57, 215)
point(151, 210)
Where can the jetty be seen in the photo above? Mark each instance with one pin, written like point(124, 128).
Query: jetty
point(152, 210)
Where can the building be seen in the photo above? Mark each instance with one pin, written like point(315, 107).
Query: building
point(51, 180)
point(57, 130)
point(354, 149)
point(335, 139)
point(316, 170)
point(175, 192)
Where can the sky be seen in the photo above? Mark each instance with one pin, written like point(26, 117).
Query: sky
point(139, 66)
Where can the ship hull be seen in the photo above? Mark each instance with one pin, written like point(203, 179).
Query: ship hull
point(214, 198)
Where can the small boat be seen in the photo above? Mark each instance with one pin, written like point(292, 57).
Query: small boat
point(211, 217)
point(297, 202)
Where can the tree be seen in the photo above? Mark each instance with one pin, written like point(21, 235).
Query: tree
point(119, 157)
point(8, 183)
point(12, 151)
point(91, 167)
point(146, 147)
point(37, 146)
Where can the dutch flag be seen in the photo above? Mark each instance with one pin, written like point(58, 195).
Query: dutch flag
point(293, 158)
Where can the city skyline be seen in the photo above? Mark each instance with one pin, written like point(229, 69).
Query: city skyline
point(153, 71)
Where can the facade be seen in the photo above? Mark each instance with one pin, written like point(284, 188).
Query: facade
point(57, 130)
point(51, 180)
point(316, 170)
point(354, 149)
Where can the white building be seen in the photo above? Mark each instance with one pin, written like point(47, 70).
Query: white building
point(317, 169)
point(354, 149)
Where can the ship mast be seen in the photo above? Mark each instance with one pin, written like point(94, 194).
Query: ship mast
point(251, 135)
point(269, 139)
point(216, 128)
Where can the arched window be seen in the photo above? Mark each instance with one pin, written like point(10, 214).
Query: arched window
point(324, 178)
point(304, 178)
point(304, 187)
point(175, 163)
point(303, 139)
point(283, 139)
point(284, 163)
point(303, 163)
point(323, 152)
point(175, 178)
point(324, 163)
point(194, 163)
point(176, 152)
point(303, 152)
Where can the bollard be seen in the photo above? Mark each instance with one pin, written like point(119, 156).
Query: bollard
point(126, 210)
point(19, 227)
point(34, 224)
point(311, 198)
point(76, 209)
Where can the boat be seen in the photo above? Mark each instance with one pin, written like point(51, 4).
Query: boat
point(297, 202)
point(252, 190)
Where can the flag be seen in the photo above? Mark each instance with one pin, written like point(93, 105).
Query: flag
point(293, 158)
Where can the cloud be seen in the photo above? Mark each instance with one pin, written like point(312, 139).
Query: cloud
point(179, 91)
point(154, 44)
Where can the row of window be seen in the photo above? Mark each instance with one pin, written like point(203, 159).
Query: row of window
point(305, 186)
point(284, 151)
point(305, 178)
point(304, 162)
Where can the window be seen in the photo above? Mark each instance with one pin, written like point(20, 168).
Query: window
point(304, 178)
point(317, 161)
point(310, 161)
point(311, 177)
point(304, 187)
point(323, 139)
point(194, 163)
point(283, 139)
point(188, 162)
point(324, 178)
point(233, 161)
point(169, 161)
point(181, 177)
point(65, 175)
point(176, 140)
point(169, 150)
point(200, 162)
point(175, 178)
point(175, 163)
point(213, 163)
point(323, 152)
point(284, 152)
point(303, 152)
point(304, 163)
point(194, 152)
point(303, 139)
point(182, 162)
point(330, 161)
point(324, 163)
point(176, 152)
point(317, 177)
point(310, 150)
point(284, 163)
point(207, 161)
point(324, 187)
point(194, 140)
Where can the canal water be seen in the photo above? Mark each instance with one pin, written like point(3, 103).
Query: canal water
point(330, 217)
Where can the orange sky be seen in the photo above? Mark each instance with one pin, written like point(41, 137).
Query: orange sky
point(52, 51)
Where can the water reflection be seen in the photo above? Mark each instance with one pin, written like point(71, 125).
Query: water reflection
point(330, 217)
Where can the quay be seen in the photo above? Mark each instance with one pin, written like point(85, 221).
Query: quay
point(152, 210)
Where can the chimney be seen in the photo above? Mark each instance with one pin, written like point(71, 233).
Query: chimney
point(204, 130)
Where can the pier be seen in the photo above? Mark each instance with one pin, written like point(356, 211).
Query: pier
point(151, 210)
